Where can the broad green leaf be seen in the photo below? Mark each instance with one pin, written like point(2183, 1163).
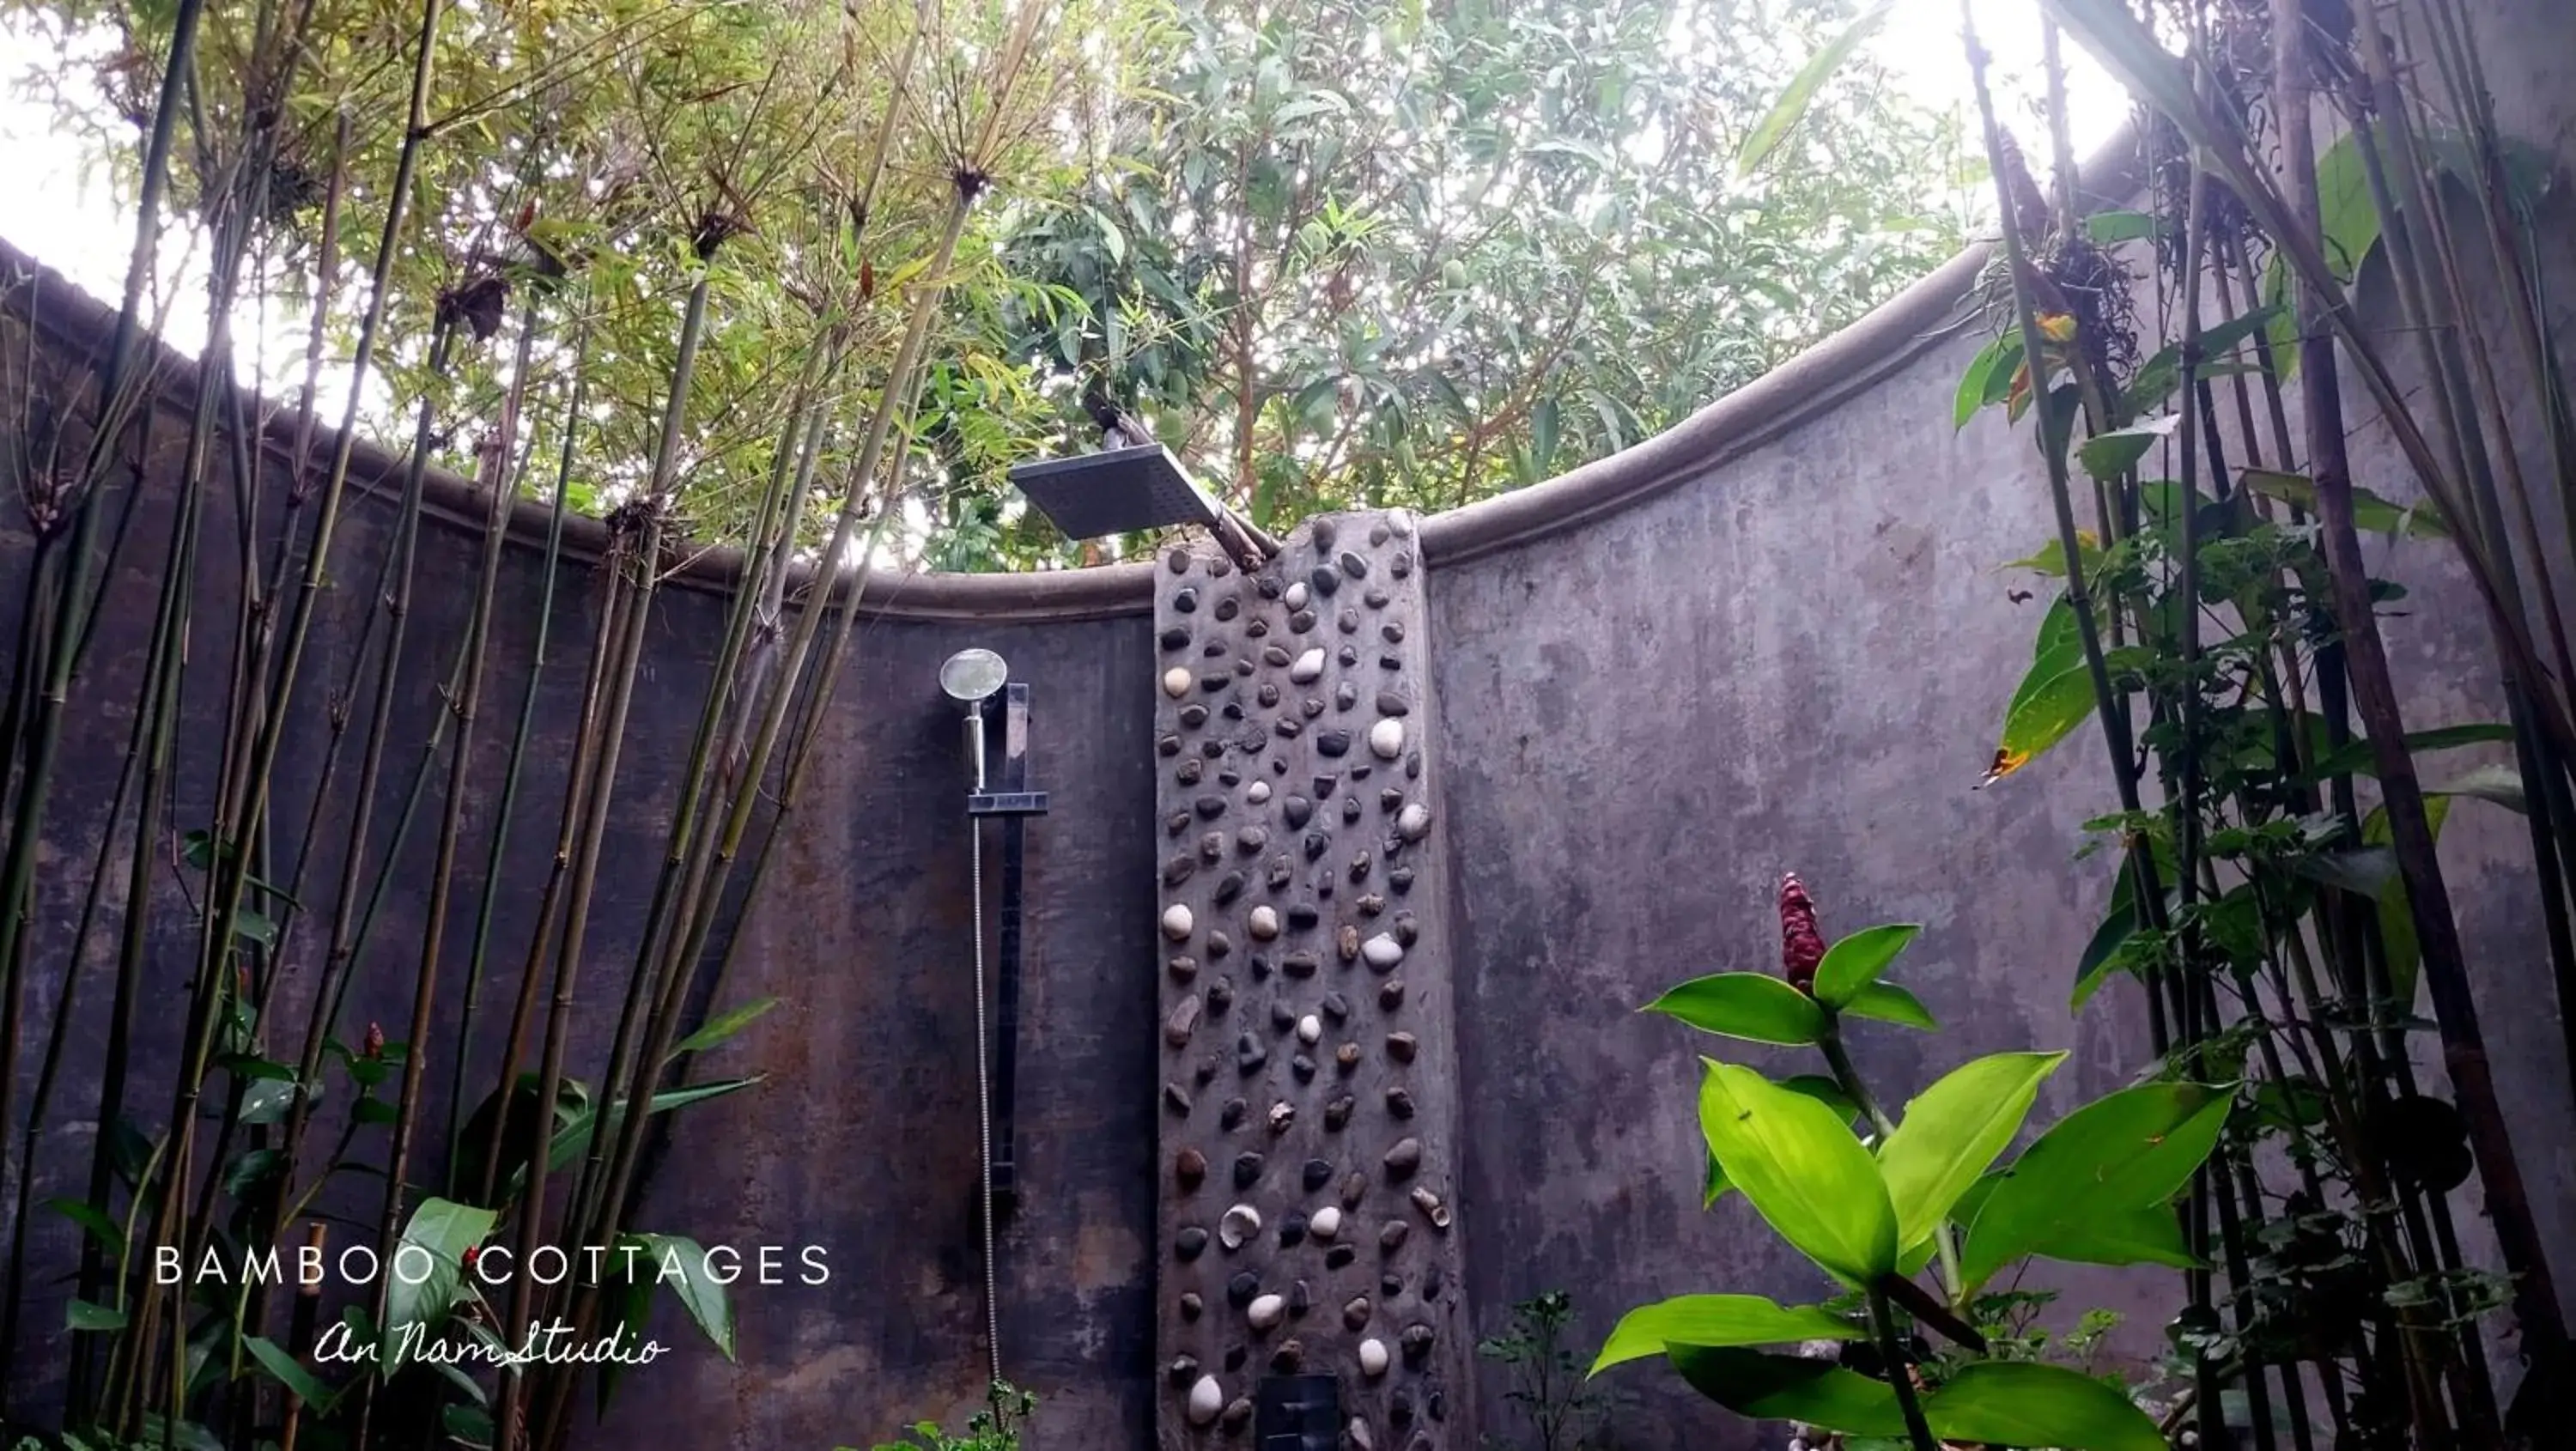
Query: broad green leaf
point(2058, 631)
point(2024, 1403)
point(1717, 1320)
point(1791, 1388)
point(2110, 455)
point(1799, 1166)
point(2094, 968)
point(1888, 1003)
point(89, 1315)
point(1814, 1085)
point(2369, 510)
point(1749, 1005)
point(266, 1101)
point(2149, 1235)
point(721, 1028)
point(2004, 354)
point(1856, 961)
point(2124, 1151)
point(1791, 108)
point(2055, 698)
point(2348, 216)
point(289, 1371)
point(680, 1264)
point(425, 1278)
point(1951, 1131)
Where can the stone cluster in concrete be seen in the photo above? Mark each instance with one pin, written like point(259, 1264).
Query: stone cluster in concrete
point(1309, 1095)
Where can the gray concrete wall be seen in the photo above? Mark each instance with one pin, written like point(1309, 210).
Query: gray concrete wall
point(863, 1139)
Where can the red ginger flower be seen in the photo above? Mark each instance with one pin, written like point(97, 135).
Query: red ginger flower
point(1801, 945)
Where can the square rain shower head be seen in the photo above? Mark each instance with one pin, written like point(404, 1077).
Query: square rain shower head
point(1114, 491)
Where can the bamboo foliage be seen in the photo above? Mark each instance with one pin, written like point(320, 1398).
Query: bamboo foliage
point(502, 300)
point(2283, 901)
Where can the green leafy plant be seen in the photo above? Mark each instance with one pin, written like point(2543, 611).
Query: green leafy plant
point(997, 1427)
point(2279, 901)
point(1873, 1200)
point(1547, 1381)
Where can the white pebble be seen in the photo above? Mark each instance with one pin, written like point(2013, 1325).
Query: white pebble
point(1387, 738)
point(1177, 922)
point(1309, 666)
point(1176, 682)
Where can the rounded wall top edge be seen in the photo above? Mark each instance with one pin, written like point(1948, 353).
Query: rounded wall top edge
point(1815, 382)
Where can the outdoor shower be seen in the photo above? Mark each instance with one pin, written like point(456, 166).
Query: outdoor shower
point(974, 678)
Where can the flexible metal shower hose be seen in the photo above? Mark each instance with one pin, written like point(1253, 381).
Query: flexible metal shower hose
point(984, 1109)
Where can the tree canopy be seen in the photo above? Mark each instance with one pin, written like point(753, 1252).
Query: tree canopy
point(1335, 252)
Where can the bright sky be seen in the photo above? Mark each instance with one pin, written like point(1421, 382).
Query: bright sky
point(77, 224)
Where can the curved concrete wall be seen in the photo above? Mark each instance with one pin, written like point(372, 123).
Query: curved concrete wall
point(1772, 639)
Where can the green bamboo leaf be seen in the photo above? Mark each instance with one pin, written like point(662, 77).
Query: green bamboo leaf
point(2119, 925)
point(2157, 377)
point(1791, 1388)
point(573, 1137)
point(2369, 510)
point(2499, 784)
point(289, 1372)
point(2354, 757)
point(719, 1029)
point(1856, 961)
point(1749, 1005)
point(2363, 871)
point(1802, 1171)
point(1791, 108)
point(88, 1315)
point(1951, 1131)
point(1717, 1320)
point(94, 1222)
point(2125, 1151)
point(2024, 1403)
point(1888, 1003)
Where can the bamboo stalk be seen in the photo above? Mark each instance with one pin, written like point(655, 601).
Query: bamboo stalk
point(646, 566)
point(505, 808)
point(2428, 899)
